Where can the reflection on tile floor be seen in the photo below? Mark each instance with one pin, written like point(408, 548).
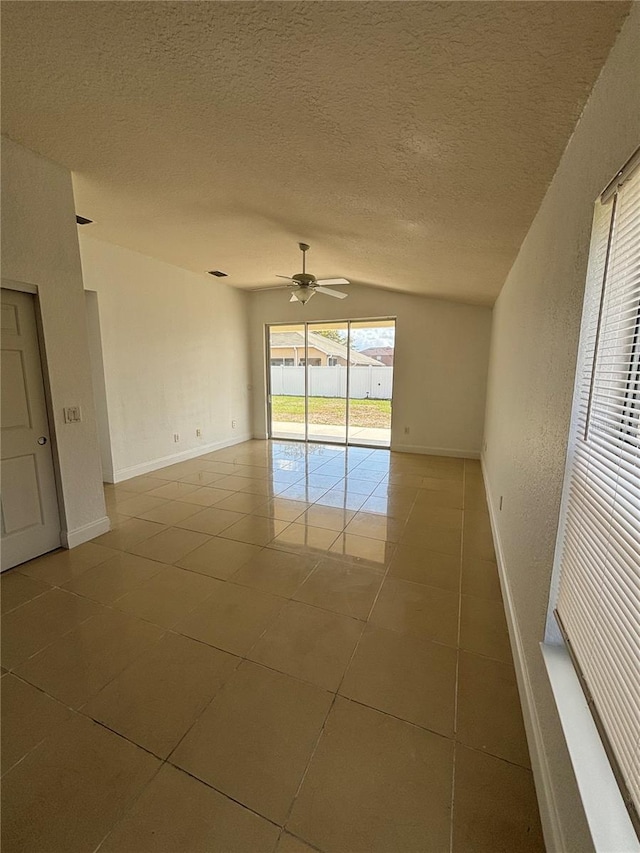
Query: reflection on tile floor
point(277, 647)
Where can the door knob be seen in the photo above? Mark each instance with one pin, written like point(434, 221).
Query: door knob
point(42, 439)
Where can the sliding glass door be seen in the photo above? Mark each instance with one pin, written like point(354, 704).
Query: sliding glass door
point(332, 382)
point(371, 355)
point(327, 382)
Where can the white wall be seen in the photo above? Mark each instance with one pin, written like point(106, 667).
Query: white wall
point(440, 362)
point(533, 355)
point(40, 247)
point(176, 357)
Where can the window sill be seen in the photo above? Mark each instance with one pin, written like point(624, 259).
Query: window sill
point(609, 823)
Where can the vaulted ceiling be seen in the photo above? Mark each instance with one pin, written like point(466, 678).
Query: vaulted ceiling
point(410, 143)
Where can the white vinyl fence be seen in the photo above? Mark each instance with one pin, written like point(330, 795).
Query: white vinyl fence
point(365, 382)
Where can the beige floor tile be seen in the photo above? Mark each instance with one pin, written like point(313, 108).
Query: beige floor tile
point(254, 741)
point(401, 675)
point(211, 521)
point(17, 589)
point(400, 494)
point(341, 587)
point(324, 481)
point(233, 483)
point(171, 512)
point(483, 628)
point(259, 488)
point(138, 504)
point(60, 566)
point(275, 571)
point(69, 791)
point(309, 643)
point(434, 538)
point(304, 539)
point(282, 509)
point(375, 784)
point(171, 544)
point(232, 618)
point(421, 611)
point(489, 713)
point(436, 516)
point(119, 493)
point(478, 539)
point(144, 483)
point(155, 700)
point(328, 517)
point(480, 578)
point(436, 498)
point(200, 478)
point(375, 526)
point(242, 502)
point(419, 565)
point(412, 481)
point(374, 553)
point(206, 495)
point(74, 667)
point(39, 622)
point(388, 506)
point(168, 596)
point(219, 558)
point(28, 717)
point(254, 529)
point(335, 497)
point(111, 580)
point(179, 470)
point(128, 533)
point(495, 808)
point(290, 844)
point(173, 491)
point(178, 814)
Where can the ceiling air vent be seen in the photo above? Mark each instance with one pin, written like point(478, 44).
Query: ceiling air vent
point(218, 273)
point(82, 220)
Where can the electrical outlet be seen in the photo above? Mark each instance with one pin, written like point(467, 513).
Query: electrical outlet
point(233, 424)
point(407, 430)
point(176, 436)
point(198, 433)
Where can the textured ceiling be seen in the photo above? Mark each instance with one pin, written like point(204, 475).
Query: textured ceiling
point(409, 143)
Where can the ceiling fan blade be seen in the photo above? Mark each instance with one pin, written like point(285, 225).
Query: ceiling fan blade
point(288, 277)
point(294, 298)
point(328, 292)
point(324, 281)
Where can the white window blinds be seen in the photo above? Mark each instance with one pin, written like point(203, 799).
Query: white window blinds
point(598, 604)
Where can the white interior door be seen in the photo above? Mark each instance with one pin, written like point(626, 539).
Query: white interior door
point(30, 517)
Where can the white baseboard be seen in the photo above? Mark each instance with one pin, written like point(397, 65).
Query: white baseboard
point(435, 451)
point(73, 538)
point(183, 456)
point(549, 816)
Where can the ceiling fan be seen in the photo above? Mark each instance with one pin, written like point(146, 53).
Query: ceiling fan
point(305, 285)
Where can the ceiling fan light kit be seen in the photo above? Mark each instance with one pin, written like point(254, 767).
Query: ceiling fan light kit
point(305, 285)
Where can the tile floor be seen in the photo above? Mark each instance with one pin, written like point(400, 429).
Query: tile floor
point(277, 647)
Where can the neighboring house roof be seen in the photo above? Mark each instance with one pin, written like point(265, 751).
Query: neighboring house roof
point(319, 342)
point(374, 351)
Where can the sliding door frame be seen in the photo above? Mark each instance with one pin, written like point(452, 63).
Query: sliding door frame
point(306, 324)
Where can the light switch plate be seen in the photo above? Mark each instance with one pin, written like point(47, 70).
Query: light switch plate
point(72, 415)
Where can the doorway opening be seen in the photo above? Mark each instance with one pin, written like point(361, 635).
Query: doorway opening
point(331, 381)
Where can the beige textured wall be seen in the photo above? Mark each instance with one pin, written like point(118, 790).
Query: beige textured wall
point(441, 354)
point(175, 351)
point(40, 247)
point(534, 345)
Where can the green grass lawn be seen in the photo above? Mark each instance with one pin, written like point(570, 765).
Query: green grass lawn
point(331, 410)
